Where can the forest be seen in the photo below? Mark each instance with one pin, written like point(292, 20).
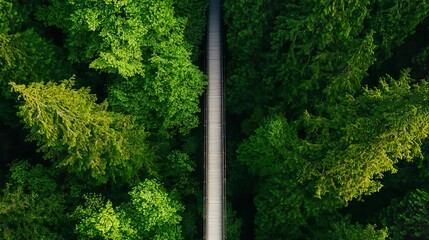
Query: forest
point(101, 119)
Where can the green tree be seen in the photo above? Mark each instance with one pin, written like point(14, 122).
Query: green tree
point(25, 57)
point(283, 203)
point(340, 227)
point(76, 132)
point(143, 43)
point(150, 214)
point(233, 224)
point(390, 15)
point(177, 173)
point(32, 205)
point(407, 217)
point(305, 52)
point(292, 56)
point(364, 137)
point(167, 102)
point(340, 157)
point(248, 27)
point(194, 11)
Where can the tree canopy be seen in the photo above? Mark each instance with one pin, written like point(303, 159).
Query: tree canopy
point(108, 92)
point(327, 104)
point(101, 135)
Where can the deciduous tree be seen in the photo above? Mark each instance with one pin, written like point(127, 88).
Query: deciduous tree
point(150, 214)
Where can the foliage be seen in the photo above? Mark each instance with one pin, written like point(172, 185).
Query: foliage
point(7, 14)
point(407, 217)
point(143, 51)
point(25, 57)
point(31, 206)
point(150, 214)
point(284, 58)
point(390, 15)
point(99, 220)
point(342, 229)
point(76, 132)
point(328, 50)
point(295, 55)
point(117, 36)
point(340, 158)
point(364, 137)
point(248, 27)
point(177, 173)
point(233, 224)
point(166, 102)
point(109, 34)
point(143, 42)
point(194, 11)
point(274, 153)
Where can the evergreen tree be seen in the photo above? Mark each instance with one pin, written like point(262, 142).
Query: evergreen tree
point(407, 218)
point(81, 135)
point(340, 158)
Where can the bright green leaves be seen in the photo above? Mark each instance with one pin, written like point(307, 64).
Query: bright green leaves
point(101, 220)
point(342, 228)
point(108, 34)
point(115, 36)
point(194, 11)
point(26, 57)
point(154, 212)
point(145, 63)
point(167, 99)
point(151, 214)
point(141, 41)
point(290, 57)
point(277, 155)
point(77, 133)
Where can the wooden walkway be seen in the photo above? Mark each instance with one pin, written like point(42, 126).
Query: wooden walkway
point(214, 199)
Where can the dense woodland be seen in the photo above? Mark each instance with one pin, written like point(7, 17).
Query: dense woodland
point(101, 119)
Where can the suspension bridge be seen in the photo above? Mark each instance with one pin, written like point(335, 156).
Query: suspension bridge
point(214, 185)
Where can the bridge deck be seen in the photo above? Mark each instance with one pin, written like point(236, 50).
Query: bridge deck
point(214, 209)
